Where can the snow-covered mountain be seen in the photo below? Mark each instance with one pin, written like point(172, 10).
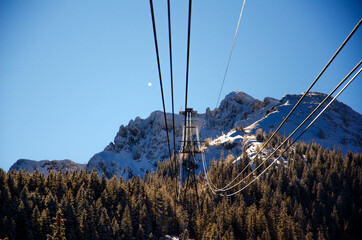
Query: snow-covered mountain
point(138, 146)
point(232, 127)
point(236, 108)
point(338, 126)
point(44, 166)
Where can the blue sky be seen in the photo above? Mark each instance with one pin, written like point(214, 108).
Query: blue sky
point(71, 72)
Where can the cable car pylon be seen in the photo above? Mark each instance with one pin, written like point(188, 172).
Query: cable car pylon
point(190, 148)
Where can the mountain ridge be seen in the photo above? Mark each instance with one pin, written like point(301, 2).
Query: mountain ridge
point(44, 166)
point(138, 146)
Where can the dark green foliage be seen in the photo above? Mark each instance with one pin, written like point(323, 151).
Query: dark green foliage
point(316, 196)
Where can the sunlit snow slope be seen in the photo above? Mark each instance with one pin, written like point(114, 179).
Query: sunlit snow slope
point(138, 146)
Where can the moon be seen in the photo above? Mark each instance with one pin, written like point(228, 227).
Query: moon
point(149, 84)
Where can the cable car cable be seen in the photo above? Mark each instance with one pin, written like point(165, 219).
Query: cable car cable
point(281, 154)
point(300, 125)
point(231, 52)
point(303, 96)
point(159, 74)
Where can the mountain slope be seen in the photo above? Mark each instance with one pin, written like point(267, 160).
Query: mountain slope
point(230, 128)
point(138, 146)
point(338, 126)
point(44, 166)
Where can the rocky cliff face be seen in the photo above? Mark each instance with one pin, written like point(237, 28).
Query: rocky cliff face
point(237, 107)
point(138, 146)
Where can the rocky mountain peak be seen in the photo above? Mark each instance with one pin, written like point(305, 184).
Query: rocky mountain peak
point(139, 145)
point(237, 97)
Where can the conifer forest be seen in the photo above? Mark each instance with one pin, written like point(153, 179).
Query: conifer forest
point(316, 194)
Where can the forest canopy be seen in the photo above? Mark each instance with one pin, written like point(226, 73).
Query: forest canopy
point(315, 195)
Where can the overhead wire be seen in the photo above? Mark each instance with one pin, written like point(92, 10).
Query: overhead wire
point(310, 124)
point(231, 52)
point(209, 182)
point(171, 74)
point(299, 126)
point(174, 160)
point(159, 74)
point(299, 101)
point(188, 54)
point(172, 97)
point(226, 188)
point(187, 81)
point(313, 83)
point(187, 62)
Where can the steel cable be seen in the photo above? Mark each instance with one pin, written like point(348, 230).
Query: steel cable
point(231, 52)
point(299, 101)
point(159, 74)
point(281, 154)
point(226, 188)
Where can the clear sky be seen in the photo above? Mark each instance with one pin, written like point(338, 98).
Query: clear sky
point(71, 72)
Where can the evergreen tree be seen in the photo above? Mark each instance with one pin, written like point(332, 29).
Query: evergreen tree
point(116, 233)
point(36, 224)
point(316, 197)
point(126, 224)
point(58, 229)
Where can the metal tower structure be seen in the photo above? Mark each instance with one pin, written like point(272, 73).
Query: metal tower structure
point(190, 147)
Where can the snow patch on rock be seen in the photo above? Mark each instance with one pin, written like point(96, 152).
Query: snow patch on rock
point(44, 166)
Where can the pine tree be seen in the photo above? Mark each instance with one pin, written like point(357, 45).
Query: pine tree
point(82, 224)
point(23, 224)
point(185, 235)
point(115, 229)
point(283, 228)
point(36, 224)
point(71, 221)
point(58, 229)
point(45, 222)
point(94, 185)
point(126, 224)
point(51, 204)
point(251, 221)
